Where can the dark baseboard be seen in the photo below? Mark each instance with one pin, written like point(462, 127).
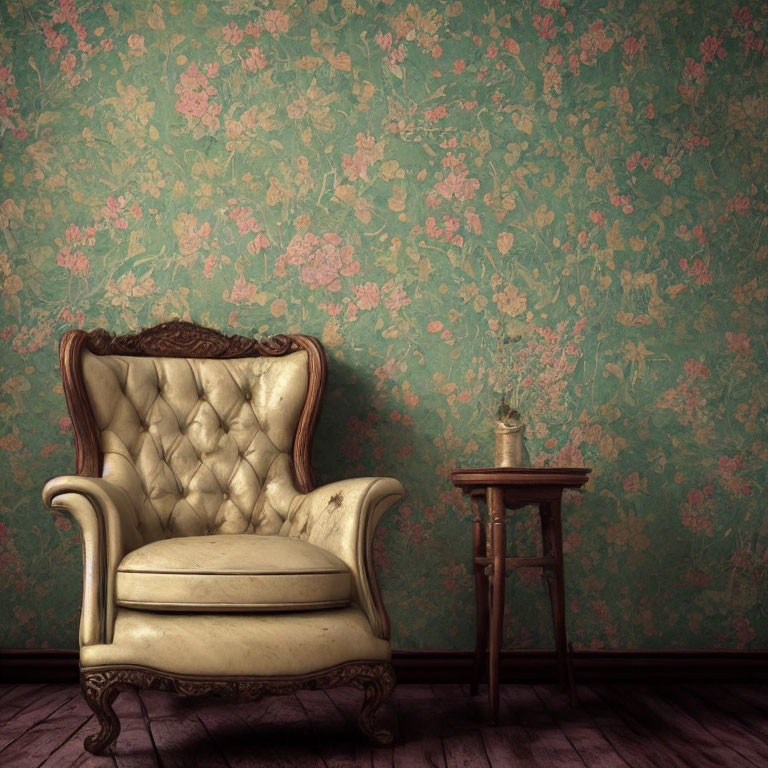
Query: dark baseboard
point(589, 666)
point(61, 666)
point(38, 666)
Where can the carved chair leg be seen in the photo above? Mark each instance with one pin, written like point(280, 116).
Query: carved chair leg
point(377, 688)
point(100, 689)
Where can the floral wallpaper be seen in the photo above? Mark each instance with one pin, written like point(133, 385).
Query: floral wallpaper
point(564, 199)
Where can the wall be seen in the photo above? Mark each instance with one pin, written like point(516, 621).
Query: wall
point(413, 183)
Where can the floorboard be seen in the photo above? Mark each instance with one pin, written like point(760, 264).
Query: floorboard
point(441, 726)
point(347, 702)
point(637, 746)
point(331, 733)
point(460, 718)
point(579, 728)
point(419, 744)
point(720, 725)
point(179, 735)
point(36, 710)
point(549, 744)
point(750, 717)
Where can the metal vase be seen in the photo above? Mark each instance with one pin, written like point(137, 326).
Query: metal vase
point(510, 451)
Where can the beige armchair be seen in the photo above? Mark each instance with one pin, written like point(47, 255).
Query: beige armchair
point(212, 565)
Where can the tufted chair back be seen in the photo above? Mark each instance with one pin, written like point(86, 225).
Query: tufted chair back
point(201, 444)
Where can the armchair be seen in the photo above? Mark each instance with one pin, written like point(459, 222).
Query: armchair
point(202, 528)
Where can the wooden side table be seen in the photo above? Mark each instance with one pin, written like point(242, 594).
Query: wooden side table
point(503, 488)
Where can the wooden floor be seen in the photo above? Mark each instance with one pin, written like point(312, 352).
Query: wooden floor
point(706, 726)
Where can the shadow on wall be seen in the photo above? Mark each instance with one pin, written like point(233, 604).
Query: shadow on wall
point(353, 437)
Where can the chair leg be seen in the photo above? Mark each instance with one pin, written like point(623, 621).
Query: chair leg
point(100, 689)
point(377, 688)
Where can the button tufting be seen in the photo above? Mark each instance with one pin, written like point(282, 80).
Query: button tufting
point(225, 496)
point(247, 395)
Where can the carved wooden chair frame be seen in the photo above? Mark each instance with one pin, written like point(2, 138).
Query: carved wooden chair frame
point(101, 685)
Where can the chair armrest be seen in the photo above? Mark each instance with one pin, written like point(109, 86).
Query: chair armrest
point(108, 523)
point(341, 518)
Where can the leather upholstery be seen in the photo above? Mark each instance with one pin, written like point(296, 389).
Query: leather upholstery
point(107, 519)
point(232, 572)
point(229, 644)
point(203, 444)
point(341, 518)
point(197, 507)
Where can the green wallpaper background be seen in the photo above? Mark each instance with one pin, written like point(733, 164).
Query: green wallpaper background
point(587, 179)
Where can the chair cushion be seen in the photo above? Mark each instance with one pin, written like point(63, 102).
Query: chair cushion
point(232, 572)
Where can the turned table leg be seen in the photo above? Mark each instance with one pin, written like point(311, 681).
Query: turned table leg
point(481, 601)
point(499, 545)
point(552, 538)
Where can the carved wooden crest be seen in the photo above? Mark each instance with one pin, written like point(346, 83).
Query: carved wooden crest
point(179, 338)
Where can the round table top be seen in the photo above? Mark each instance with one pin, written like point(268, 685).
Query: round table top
point(565, 476)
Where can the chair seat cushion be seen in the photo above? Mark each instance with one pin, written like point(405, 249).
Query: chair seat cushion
point(232, 572)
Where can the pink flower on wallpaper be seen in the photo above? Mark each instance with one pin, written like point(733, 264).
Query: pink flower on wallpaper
point(696, 269)
point(473, 221)
point(244, 218)
point(75, 262)
point(697, 511)
point(693, 69)
point(384, 41)
point(712, 47)
point(729, 467)
point(276, 22)
point(136, 45)
point(433, 115)
point(195, 91)
point(744, 630)
point(396, 55)
point(66, 12)
point(694, 369)
point(232, 33)
point(369, 151)
point(68, 63)
point(368, 295)
point(10, 443)
point(594, 41)
point(62, 523)
point(739, 204)
point(243, 292)
point(254, 29)
point(397, 297)
point(112, 212)
point(545, 25)
point(255, 61)
point(752, 42)
point(742, 14)
point(456, 183)
point(738, 343)
point(510, 45)
point(321, 260)
point(633, 46)
point(209, 265)
point(192, 103)
point(258, 244)
point(447, 232)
